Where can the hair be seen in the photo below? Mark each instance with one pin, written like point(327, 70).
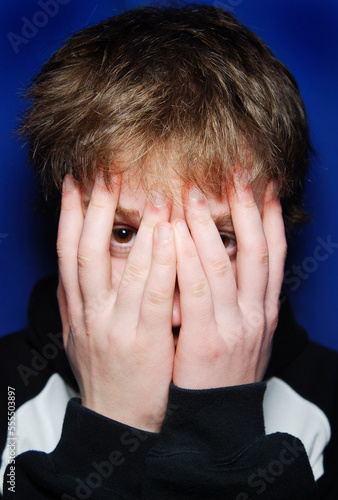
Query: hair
point(189, 84)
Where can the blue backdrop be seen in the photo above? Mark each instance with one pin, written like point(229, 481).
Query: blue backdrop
point(303, 34)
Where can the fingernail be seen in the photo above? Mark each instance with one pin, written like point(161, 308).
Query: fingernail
point(163, 232)
point(271, 190)
point(241, 177)
point(157, 198)
point(273, 186)
point(182, 226)
point(196, 194)
point(100, 179)
point(68, 183)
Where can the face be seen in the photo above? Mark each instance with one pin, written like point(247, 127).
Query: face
point(128, 218)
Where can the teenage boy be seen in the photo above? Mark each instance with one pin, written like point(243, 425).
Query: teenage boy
point(181, 144)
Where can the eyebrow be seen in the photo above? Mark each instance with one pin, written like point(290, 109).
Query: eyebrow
point(223, 220)
point(134, 217)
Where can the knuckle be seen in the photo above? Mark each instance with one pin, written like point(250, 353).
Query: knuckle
point(87, 254)
point(190, 253)
point(262, 253)
point(272, 317)
point(220, 266)
point(256, 321)
point(157, 296)
point(136, 271)
point(255, 251)
point(60, 251)
point(199, 290)
point(249, 204)
point(64, 249)
point(83, 259)
point(264, 257)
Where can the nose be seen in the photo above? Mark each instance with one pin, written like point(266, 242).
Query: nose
point(177, 212)
point(176, 316)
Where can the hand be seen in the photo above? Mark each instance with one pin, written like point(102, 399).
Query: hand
point(118, 338)
point(229, 313)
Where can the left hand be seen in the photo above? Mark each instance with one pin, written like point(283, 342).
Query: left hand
point(117, 336)
point(229, 315)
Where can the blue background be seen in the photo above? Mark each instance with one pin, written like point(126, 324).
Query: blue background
point(302, 33)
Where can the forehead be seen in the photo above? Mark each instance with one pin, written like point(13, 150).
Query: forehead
point(167, 174)
point(134, 194)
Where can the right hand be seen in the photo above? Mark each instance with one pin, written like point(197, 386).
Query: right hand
point(118, 339)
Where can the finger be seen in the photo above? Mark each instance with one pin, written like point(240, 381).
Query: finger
point(136, 272)
point(69, 232)
point(195, 297)
point(157, 304)
point(274, 230)
point(94, 262)
point(252, 260)
point(212, 253)
point(61, 296)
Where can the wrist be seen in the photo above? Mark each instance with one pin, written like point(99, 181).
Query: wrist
point(140, 416)
point(232, 415)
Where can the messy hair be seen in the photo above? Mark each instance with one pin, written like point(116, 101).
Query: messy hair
point(161, 83)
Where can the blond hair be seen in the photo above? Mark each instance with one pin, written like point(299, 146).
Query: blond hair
point(188, 83)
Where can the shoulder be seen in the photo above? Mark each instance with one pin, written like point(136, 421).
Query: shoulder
point(314, 374)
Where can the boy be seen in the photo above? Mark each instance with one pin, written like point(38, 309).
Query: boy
point(178, 138)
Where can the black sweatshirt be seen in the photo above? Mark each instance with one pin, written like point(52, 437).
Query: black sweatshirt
point(272, 440)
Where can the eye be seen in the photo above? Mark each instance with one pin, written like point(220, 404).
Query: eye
point(123, 235)
point(122, 239)
point(229, 243)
